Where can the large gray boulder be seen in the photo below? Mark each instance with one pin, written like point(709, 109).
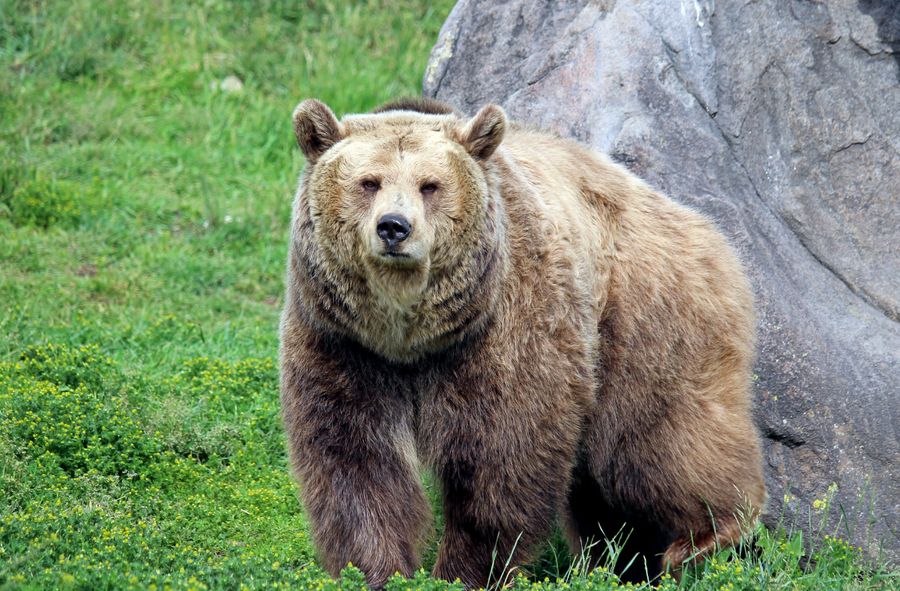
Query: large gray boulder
point(780, 119)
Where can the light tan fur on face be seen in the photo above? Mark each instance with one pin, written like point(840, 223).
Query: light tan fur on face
point(383, 302)
point(563, 341)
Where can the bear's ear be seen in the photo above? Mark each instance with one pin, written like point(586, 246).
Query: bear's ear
point(483, 132)
point(316, 128)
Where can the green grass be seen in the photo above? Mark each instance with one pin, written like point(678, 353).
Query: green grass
point(143, 232)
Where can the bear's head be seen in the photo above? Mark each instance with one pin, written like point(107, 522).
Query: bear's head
point(398, 211)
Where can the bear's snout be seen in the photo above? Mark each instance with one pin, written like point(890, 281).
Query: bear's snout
point(393, 229)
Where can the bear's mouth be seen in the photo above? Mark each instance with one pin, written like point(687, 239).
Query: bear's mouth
point(397, 260)
point(405, 256)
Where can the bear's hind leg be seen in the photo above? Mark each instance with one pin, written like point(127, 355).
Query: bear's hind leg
point(593, 527)
point(690, 549)
point(699, 479)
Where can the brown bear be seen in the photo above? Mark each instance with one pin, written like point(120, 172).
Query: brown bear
point(547, 334)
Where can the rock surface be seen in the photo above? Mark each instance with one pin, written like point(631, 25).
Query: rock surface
point(780, 119)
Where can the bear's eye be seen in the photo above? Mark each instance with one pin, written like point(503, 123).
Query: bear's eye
point(371, 185)
point(428, 189)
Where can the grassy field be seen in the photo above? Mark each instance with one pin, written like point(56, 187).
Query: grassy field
point(143, 223)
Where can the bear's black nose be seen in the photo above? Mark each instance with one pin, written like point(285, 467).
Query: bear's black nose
point(393, 229)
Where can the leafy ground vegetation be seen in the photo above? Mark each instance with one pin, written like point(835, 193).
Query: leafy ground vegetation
point(144, 203)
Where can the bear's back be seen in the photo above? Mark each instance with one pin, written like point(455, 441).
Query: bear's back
point(636, 249)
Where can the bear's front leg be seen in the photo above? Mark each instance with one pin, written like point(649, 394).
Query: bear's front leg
point(503, 451)
point(498, 505)
point(351, 444)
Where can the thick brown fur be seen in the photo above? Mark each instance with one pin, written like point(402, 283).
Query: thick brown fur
point(418, 104)
point(556, 341)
